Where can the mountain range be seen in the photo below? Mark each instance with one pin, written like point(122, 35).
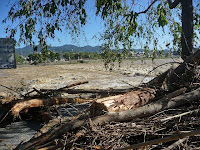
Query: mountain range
point(25, 51)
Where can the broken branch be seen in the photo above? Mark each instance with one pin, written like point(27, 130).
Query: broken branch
point(36, 103)
point(161, 140)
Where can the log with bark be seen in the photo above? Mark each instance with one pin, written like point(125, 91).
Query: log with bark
point(149, 109)
point(123, 102)
point(98, 91)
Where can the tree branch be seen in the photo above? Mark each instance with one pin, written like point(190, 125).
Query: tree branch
point(174, 4)
point(162, 140)
point(143, 12)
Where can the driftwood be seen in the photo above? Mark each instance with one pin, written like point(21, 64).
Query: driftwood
point(98, 91)
point(49, 91)
point(63, 88)
point(123, 102)
point(164, 139)
point(26, 104)
point(144, 111)
point(149, 109)
point(180, 115)
point(158, 81)
point(172, 77)
point(120, 107)
point(176, 144)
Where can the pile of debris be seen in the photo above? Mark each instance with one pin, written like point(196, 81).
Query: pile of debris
point(162, 114)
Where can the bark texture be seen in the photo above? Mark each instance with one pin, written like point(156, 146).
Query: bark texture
point(187, 28)
point(123, 102)
point(149, 109)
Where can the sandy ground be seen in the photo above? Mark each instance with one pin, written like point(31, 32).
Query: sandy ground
point(59, 75)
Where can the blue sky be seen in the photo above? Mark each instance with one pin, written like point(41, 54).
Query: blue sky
point(93, 28)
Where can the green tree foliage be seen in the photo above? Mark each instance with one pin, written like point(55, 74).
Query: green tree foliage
point(128, 26)
point(68, 56)
point(57, 56)
point(19, 59)
point(35, 58)
point(128, 23)
point(44, 56)
point(41, 18)
point(82, 55)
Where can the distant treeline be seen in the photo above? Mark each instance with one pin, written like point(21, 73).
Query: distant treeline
point(50, 56)
point(45, 56)
point(81, 55)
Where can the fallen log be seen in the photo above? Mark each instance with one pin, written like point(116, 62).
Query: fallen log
point(149, 109)
point(123, 102)
point(128, 101)
point(63, 88)
point(97, 91)
point(158, 81)
point(26, 104)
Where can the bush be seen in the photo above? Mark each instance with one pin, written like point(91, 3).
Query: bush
point(19, 59)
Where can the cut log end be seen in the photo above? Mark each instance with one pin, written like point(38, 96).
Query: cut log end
point(123, 102)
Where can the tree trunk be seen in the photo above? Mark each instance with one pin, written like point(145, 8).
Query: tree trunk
point(187, 28)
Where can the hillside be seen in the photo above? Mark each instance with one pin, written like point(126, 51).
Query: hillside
point(65, 48)
point(25, 51)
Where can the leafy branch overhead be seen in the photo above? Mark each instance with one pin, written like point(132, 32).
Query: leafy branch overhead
point(42, 18)
point(140, 23)
point(128, 23)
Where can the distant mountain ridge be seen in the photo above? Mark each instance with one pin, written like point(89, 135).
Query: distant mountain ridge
point(25, 51)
